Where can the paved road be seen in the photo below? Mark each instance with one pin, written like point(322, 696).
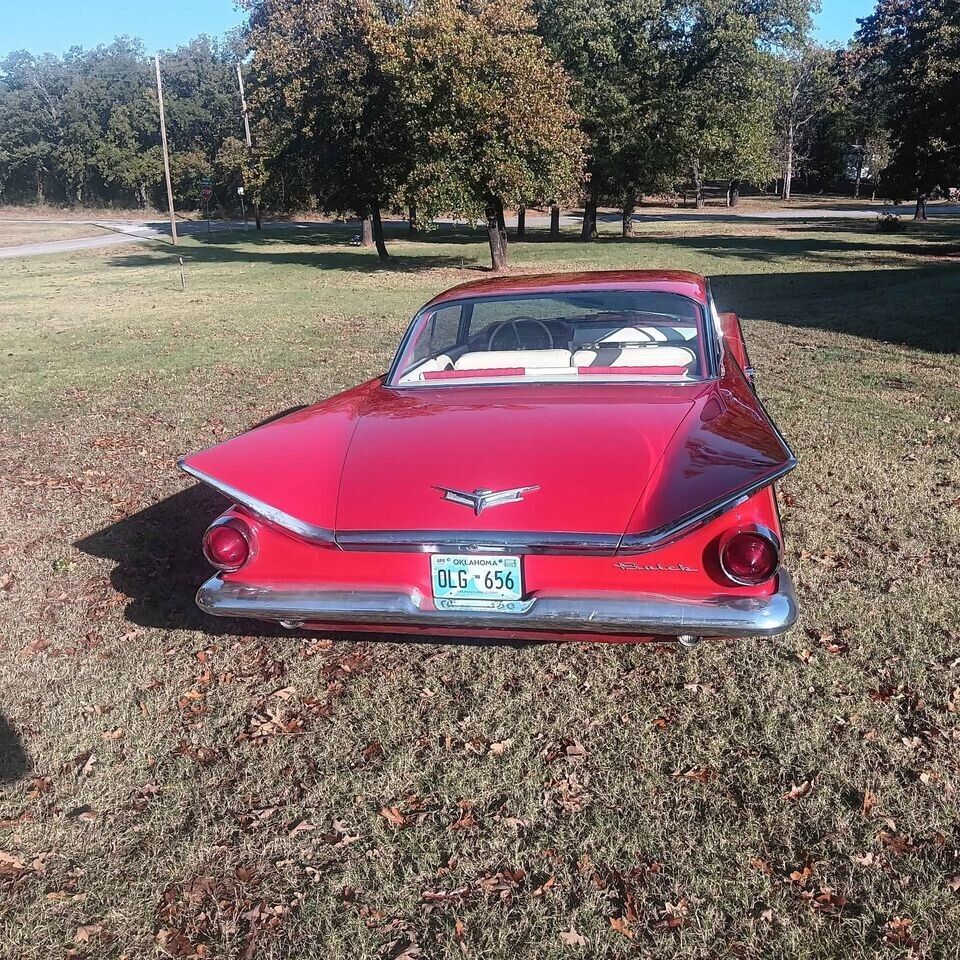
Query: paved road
point(122, 231)
point(136, 231)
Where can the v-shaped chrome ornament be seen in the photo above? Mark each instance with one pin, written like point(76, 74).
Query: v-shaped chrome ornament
point(480, 499)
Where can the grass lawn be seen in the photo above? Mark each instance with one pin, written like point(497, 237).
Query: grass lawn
point(13, 233)
point(171, 784)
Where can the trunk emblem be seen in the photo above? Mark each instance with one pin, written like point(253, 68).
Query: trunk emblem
point(480, 499)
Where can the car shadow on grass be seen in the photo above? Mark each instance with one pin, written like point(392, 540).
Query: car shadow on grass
point(14, 762)
point(159, 566)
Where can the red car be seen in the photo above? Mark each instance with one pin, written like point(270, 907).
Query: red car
point(549, 457)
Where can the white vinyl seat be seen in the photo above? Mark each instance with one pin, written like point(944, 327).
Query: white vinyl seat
point(442, 362)
point(645, 334)
point(614, 356)
point(508, 359)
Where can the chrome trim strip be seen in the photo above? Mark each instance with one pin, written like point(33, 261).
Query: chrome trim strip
point(637, 615)
point(481, 541)
point(302, 529)
point(644, 542)
point(525, 543)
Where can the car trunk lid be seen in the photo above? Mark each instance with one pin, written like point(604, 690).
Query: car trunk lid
point(586, 455)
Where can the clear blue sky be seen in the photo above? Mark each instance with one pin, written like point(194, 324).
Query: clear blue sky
point(53, 26)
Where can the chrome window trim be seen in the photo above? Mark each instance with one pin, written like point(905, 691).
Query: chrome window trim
point(392, 378)
point(302, 529)
point(717, 341)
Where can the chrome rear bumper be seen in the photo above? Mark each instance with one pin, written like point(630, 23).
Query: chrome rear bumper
point(638, 615)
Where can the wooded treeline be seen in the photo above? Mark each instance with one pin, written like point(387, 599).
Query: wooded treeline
point(468, 107)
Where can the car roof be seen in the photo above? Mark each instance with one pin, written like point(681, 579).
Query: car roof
point(666, 281)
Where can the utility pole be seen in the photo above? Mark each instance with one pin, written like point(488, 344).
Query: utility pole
point(166, 158)
point(246, 128)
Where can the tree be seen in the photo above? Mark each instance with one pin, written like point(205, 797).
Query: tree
point(83, 128)
point(487, 108)
point(656, 79)
point(729, 121)
point(806, 85)
point(609, 49)
point(913, 50)
point(317, 73)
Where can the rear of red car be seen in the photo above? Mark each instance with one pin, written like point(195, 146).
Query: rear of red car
point(626, 499)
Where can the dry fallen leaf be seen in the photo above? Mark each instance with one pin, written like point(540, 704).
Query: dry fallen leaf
point(572, 939)
point(897, 843)
point(394, 816)
point(897, 931)
point(798, 792)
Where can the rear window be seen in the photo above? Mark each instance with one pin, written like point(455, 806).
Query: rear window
point(577, 337)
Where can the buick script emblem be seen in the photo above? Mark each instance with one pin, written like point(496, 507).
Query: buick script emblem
point(479, 500)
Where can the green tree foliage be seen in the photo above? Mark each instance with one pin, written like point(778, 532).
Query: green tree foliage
point(806, 85)
point(669, 88)
point(83, 128)
point(911, 53)
point(487, 109)
point(334, 108)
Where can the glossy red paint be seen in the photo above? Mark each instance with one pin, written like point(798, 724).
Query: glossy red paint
point(665, 281)
point(619, 459)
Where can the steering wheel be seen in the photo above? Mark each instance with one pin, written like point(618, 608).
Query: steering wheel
point(539, 336)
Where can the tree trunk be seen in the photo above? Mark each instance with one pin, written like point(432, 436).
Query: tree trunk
point(256, 214)
point(859, 175)
point(788, 167)
point(629, 205)
point(733, 193)
point(521, 222)
point(366, 232)
point(501, 226)
point(920, 212)
point(498, 252)
point(378, 232)
point(697, 185)
point(554, 222)
point(589, 229)
point(412, 220)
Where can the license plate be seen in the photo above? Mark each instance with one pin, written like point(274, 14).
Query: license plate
point(476, 582)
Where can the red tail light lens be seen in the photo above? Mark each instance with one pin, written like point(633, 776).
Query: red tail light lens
point(228, 545)
point(750, 556)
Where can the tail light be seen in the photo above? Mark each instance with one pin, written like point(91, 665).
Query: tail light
point(228, 544)
point(750, 556)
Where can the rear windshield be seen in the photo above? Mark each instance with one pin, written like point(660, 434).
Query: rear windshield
point(570, 337)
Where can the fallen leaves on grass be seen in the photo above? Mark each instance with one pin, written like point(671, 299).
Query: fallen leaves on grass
point(571, 938)
point(825, 901)
point(696, 774)
point(798, 791)
point(394, 817)
point(897, 931)
point(896, 842)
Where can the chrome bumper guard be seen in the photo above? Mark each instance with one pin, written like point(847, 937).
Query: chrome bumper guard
point(639, 615)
